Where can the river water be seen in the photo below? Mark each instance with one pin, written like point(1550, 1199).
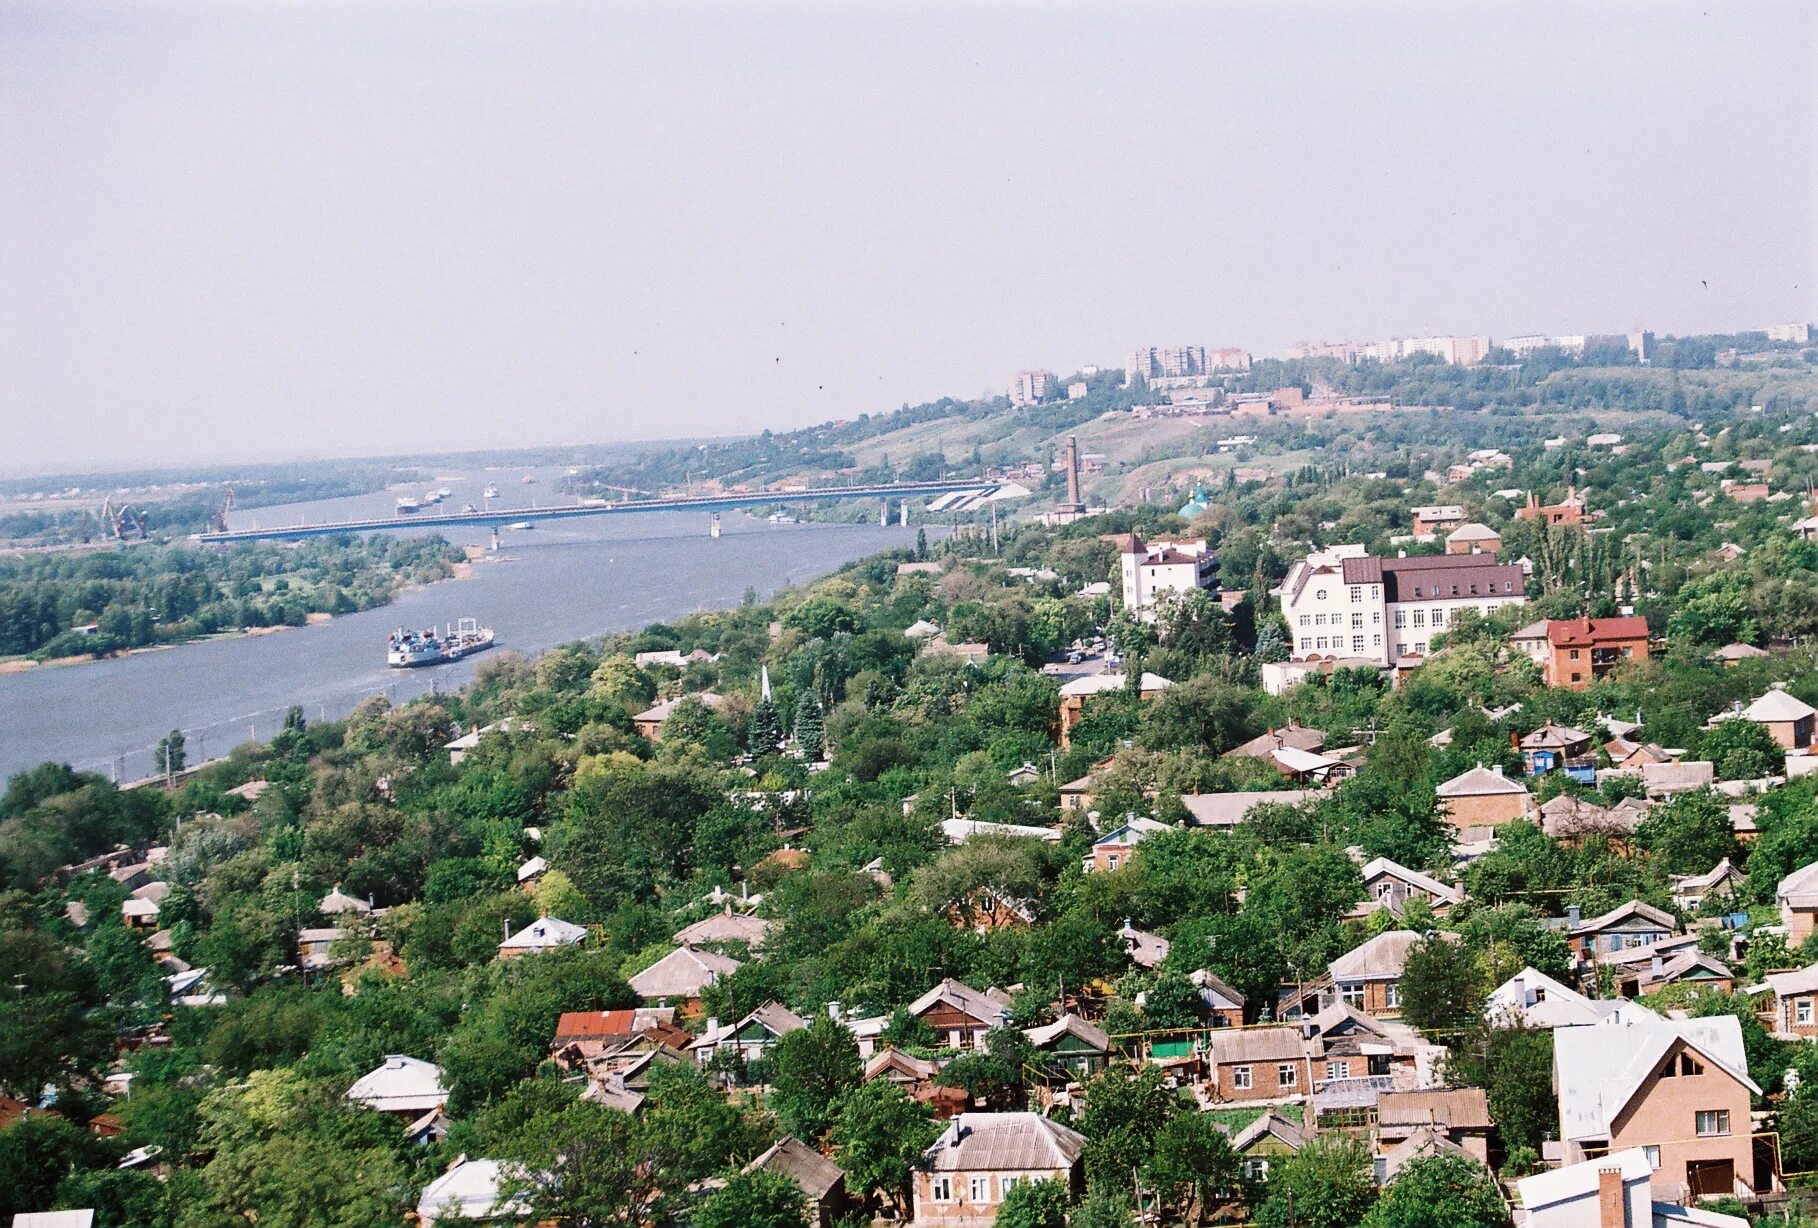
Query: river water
point(563, 581)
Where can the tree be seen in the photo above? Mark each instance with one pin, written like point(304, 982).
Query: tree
point(921, 544)
point(1691, 833)
point(1034, 1204)
point(810, 736)
point(809, 1069)
point(1174, 1001)
point(759, 1199)
point(880, 1135)
point(1326, 1184)
point(169, 754)
point(1125, 1112)
point(1271, 644)
point(1440, 1191)
point(1440, 988)
point(1742, 750)
point(765, 733)
point(1514, 1066)
point(1193, 1162)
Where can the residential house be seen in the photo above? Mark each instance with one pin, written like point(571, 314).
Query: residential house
point(460, 747)
point(1226, 810)
point(583, 1037)
point(429, 1129)
point(1787, 717)
point(1419, 1143)
point(1268, 1139)
point(984, 909)
point(1074, 694)
point(1623, 928)
point(1571, 819)
point(903, 1069)
point(1473, 538)
point(1071, 1044)
point(1292, 736)
point(749, 1038)
point(473, 1190)
point(1461, 1114)
point(1369, 976)
point(1431, 521)
point(1679, 1089)
point(960, 1015)
point(1389, 884)
point(1631, 756)
point(338, 903)
point(649, 723)
point(726, 926)
point(1610, 1191)
point(315, 947)
point(1724, 879)
point(1114, 848)
point(1637, 976)
point(1224, 1006)
point(1797, 897)
point(1663, 780)
point(1553, 748)
point(1569, 510)
point(823, 1183)
point(1584, 650)
point(140, 910)
point(1483, 797)
point(543, 934)
point(1732, 655)
point(530, 873)
point(1531, 642)
point(981, 1157)
point(400, 1084)
point(681, 976)
point(1795, 1002)
point(1533, 999)
point(1078, 795)
point(1271, 1062)
point(1356, 1058)
point(1145, 950)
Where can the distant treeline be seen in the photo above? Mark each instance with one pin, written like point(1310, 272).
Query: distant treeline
point(64, 604)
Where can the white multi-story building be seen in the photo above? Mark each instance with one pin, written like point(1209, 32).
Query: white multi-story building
point(1521, 347)
point(1801, 333)
point(1153, 568)
point(1030, 387)
point(1343, 604)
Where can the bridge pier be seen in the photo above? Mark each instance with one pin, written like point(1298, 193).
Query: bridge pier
point(713, 526)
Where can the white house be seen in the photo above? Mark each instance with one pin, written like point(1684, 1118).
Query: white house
point(1152, 568)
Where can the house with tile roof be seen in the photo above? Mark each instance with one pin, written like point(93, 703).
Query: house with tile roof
point(1483, 797)
point(1473, 537)
point(1368, 977)
point(981, 1157)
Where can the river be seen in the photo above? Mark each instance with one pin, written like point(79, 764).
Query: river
point(563, 581)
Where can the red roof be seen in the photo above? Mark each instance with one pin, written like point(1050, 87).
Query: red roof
point(1591, 632)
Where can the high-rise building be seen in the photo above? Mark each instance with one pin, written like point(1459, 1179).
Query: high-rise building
point(1801, 333)
point(1030, 387)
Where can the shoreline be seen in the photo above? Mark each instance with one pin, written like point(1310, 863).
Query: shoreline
point(462, 570)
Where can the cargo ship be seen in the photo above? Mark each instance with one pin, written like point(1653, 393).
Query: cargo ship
point(407, 649)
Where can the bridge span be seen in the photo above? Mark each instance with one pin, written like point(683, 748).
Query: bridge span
point(501, 518)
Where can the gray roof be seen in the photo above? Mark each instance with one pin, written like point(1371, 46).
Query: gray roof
point(727, 926)
point(1280, 1043)
point(988, 1008)
point(1005, 1142)
point(1230, 809)
point(1442, 892)
point(1599, 1068)
point(682, 973)
point(1381, 958)
point(1269, 1122)
point(802, 1164)
point(1456, 1108)
point(1069, 1025)
point(1479, 781)
point(1622, 912)
point(544, 934)
point(1800, 888)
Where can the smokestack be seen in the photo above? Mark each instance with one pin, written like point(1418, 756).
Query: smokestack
point(1073, 499)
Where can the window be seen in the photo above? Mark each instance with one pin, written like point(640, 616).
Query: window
point(1574, 654)
point(1352, 992)
point(1376, 618)
point(1320, 595)
point(1384, 890)
point(1392, 995)
point(1357, 592)
point(1320, 642)
point(1240, 1078)
point(1319, 620)
point(1802, 1011)
point(1256, 1169)
point(979, 1189)
point(1338, 1069)
point(1357, 643)
point(1400, 619)
point(1287, 1075)
point(1713, 1123)
point(940, 1188)
point(1439, 618)
point(1111, 861)
point(1376, 641)
point(1356, 621)
point(1420, 618)
point(1306, 620)
point(1653, 1155)
point(1006, 1184)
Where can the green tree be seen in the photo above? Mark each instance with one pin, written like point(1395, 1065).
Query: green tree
point(1440, 1191)
point(810, 736)
point(1173, 1001)
point(880, 1135)
point(1514, 1066)
point(1326, 1184)
point(1034, 1204)
point(170, 754)
point(765, 733)
point(1193, 1163)
point(1742, 750)
point(809, 1070)
point(760, 1199)
point(1440, 986)
point(1125, 1112)
point(1689, 834)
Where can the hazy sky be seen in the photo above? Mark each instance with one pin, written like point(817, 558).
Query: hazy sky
point(270, 228)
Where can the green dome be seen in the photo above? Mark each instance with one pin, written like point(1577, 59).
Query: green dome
point(1197, 504)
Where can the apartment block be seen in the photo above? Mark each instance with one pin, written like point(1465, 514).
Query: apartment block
point(1345, 604)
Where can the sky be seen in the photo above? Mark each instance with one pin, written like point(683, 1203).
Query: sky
point(271, 229)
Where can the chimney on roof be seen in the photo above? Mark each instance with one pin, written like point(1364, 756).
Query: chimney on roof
point(1497, 769)
point(1573, 915)
point(713, 1026)
point(1655, 967)
point(833, 1011)
point(1612, 1207)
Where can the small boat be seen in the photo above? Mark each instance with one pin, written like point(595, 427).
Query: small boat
point(522, 526)
point(407, 649)
point(468, 507)
point(781, 518)
point(529, 478)
point(491, 492)
point(408, 506)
